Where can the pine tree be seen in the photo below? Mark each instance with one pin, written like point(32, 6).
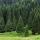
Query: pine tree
point(14, 23)
point(9, 23)
point(20, 25)
point(13, 19)
point(1, 22)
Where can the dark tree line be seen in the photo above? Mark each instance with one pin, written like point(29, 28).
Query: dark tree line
point(24, 15)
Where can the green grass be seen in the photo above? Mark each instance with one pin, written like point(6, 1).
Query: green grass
point(37, 37)
point(11, 34)
point(15, 36)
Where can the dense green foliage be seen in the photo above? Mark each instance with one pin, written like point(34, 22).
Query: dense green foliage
point(20, 17)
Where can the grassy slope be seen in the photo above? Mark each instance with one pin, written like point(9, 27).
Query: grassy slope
point(13, 36)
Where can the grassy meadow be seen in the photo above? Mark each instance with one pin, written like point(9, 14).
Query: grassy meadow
point(37, 37)
point(15, 36)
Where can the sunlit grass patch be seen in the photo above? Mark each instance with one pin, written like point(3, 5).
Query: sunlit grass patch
point(36, 37)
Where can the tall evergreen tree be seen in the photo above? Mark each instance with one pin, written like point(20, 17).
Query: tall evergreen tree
point(20, 25)
point(9, 23)
point(14, 23)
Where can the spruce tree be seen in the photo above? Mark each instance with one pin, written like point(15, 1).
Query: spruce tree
point(9, 23)
point(14, 23)
point(1, 22)
point(20, 25)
